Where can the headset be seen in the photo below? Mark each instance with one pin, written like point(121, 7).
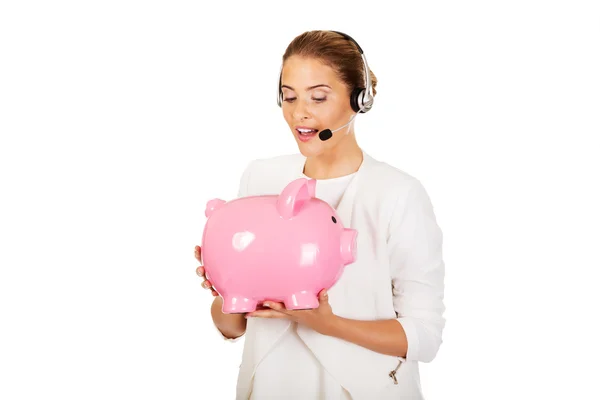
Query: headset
point(361, 98)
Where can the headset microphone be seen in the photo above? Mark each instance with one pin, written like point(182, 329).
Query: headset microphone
point(326, 134)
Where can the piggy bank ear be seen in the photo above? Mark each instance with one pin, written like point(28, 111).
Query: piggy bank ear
point(212, 205)
point(312, 187)
point(293, 197)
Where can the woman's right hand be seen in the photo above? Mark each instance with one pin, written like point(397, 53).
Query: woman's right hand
point(206, 284)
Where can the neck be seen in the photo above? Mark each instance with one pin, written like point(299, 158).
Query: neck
point(343, 159)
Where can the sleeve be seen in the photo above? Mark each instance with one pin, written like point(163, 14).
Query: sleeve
point(243, 191)
point(417, 271)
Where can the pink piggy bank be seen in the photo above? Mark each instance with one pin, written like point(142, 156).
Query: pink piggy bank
point(285, 247)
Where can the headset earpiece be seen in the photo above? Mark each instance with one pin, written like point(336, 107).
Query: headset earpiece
point(360, 101)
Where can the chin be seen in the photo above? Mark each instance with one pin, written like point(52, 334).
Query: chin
point(306, 152)
point(312, 148)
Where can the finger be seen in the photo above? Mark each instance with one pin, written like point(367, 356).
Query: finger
point(275, 306)
point(323, 297)
point(206, 284)
point(200, 271)
point(266, 314)
point(198, 253)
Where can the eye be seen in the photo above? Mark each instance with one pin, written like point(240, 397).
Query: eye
point(333, 219)
point(319, 100)
point(289, 99)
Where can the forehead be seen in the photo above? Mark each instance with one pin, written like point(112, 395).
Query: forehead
point(301, 72)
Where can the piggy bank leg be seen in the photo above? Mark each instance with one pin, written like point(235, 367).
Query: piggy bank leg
point(238, 304)
point(301, 301)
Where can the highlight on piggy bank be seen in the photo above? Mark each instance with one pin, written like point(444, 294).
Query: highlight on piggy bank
point(285, 247)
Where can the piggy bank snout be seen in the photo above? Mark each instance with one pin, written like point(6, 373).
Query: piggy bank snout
point(348, 246)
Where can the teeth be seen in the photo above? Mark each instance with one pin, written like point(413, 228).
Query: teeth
point(306, 130)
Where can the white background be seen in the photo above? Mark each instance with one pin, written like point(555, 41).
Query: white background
point(120, 119)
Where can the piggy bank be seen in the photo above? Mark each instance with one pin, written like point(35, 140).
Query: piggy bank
point(285, 247)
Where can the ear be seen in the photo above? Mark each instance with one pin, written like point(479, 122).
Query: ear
point(293, 197)
point(212, 205)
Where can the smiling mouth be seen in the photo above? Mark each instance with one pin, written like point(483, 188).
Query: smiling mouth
point(306, 132)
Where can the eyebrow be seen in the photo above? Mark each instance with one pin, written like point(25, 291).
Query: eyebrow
point(308, 88)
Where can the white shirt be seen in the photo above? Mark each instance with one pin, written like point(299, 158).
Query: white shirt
point(316, 382)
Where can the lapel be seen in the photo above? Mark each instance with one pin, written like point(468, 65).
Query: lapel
point(346, 206)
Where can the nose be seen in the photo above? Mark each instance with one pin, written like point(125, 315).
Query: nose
point(300, 110)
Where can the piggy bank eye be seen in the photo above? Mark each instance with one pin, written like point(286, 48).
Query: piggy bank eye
point(333, 219)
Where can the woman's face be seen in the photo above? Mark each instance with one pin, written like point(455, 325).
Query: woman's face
point(314, 99)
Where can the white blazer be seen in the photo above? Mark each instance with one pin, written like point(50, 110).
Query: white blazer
point(398, 274)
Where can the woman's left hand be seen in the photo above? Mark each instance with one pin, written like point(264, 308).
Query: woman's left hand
point(321, 319)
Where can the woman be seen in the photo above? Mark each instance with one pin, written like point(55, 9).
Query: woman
point(385, 313)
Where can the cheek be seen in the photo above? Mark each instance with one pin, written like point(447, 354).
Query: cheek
point(326, 111)
point(288, 115)
point(329, 115)
point(331, 109)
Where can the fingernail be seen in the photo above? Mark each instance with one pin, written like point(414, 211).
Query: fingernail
point(267, 305)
